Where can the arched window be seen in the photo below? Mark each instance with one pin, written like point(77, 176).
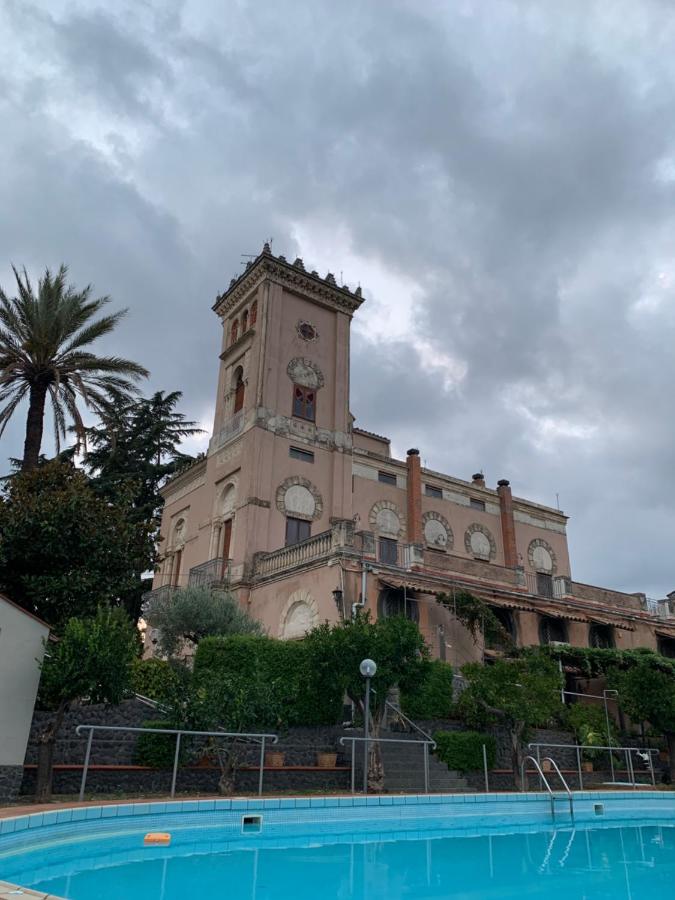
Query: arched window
point(234, 333)
point(552, 631)
point(304, 403)
point(504, 635)
point(239, 389)
point(397, 602)
point(244, 322)
point(254, 312)
point(601, 636)
point(666, 646)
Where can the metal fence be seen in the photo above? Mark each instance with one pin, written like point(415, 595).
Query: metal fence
point(260, 739)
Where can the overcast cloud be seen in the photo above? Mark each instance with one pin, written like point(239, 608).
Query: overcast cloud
point(499, 176)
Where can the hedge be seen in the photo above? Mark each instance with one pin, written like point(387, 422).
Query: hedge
point(433, 698)
point(462, 751)
point(157, 750)
point(305, 700)
point(158, 680)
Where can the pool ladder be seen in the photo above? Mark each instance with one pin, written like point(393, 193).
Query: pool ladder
point(544, 780)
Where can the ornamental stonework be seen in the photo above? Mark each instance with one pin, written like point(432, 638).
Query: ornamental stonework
point(306, 331)
point(386, 519)
point(305, 372)
point(479, 542)
point(299, 615)
point(437, 531)
point(299, 498)
point(542, 557)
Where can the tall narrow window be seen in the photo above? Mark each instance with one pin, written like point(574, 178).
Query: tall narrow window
point(234, 332)
point(388, 551)
point(244, 322)
point(177, 562)
point(227, 538)
point(239, 389)
point(297, 530)
point(254, 312)
point(304, 403)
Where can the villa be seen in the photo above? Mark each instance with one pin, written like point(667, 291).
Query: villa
point(307, 517)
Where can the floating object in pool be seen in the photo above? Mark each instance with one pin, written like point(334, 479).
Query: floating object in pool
point(157, 837)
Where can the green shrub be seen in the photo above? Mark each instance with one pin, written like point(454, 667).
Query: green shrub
point(589, 724)
point(433, 698)
point(159, 680)
point(157, 750)
point(463, 750)
point(304, 697)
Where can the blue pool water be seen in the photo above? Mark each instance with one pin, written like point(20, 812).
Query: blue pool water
point(473, 846)
point(614, 862)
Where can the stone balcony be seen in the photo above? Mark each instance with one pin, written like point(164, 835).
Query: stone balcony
point(339, 537)
point(229, 430)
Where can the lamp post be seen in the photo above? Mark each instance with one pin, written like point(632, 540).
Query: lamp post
point(368, 669)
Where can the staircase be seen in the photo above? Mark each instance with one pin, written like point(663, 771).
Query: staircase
point(404, 765)
point(404, 769)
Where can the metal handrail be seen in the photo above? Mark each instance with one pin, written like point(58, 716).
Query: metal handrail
point(564, 783)
point(179, 732)
point(410, 722)
point(627, 750)
point(374, 740)
point(542, 778)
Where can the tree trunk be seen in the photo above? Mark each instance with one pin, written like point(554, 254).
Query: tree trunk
point(670, 739)
point(34, 426)
point(516, 734)
point(375, 764)
point(46, 745)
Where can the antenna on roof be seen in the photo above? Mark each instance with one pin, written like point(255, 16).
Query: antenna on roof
point(341, 278)
point(557, 501)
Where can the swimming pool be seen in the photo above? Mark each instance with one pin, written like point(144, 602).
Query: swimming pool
point(473, 846)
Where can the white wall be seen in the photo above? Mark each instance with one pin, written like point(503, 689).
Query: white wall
point(21, 649)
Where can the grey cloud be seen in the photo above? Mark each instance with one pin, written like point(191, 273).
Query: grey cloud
point(505, 163)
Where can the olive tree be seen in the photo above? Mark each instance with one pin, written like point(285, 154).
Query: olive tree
point(516, 693)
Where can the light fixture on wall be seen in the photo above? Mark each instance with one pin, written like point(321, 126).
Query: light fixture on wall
point(338, 596)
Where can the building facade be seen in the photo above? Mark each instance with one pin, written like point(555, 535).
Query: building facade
point(22, 644)
point(308, 518)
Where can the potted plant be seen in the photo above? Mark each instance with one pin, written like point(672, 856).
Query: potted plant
point(326, 759)
point(274, 759)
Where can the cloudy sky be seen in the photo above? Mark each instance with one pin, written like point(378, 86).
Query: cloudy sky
point(499, 175)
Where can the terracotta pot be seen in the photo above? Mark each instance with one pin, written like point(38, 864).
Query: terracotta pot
point(587, 767)
point(274, 759)
point(326, 760)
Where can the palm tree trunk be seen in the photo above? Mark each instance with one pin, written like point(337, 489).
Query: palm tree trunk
point(34, 426)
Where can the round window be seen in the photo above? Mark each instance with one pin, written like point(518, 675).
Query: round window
point(306, 331)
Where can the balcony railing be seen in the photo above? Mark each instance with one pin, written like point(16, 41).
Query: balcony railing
point(159, 594)
point(213, 571)
point(231, 428)
point(660, 609)
point(287, 557)
point(547, 586)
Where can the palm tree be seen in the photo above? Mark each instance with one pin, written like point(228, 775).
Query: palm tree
point(43, 338)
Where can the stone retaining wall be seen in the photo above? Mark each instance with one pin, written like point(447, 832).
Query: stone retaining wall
point(190, 781)
point(10, 782)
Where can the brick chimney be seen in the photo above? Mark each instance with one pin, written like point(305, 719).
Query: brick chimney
point(415, 535)
point(508, 523)
point(478, 480)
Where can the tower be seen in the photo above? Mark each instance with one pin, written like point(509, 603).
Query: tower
point(278, 468)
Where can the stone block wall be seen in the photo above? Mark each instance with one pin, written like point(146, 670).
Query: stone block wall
point(10, 782)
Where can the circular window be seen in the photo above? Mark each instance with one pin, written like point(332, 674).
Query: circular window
point(306, 331)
